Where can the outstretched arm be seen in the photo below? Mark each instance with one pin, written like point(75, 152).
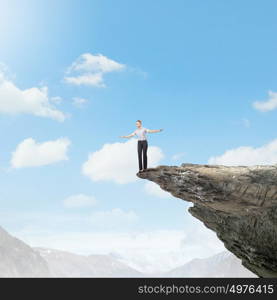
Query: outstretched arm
point(127, 136)
point(154, 130)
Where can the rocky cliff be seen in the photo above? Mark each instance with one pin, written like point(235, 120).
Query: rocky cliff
point(238, 203)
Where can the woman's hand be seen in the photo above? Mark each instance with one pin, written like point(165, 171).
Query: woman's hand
point(127, 136)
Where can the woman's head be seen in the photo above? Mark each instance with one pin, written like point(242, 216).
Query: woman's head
point(138, 123)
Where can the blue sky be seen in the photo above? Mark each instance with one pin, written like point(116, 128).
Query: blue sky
point(194, 68)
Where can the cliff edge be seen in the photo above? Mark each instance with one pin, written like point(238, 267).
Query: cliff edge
point(239, 203)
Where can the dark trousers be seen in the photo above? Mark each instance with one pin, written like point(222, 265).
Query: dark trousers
point(142, 148)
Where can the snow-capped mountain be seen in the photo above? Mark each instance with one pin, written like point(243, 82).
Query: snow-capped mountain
point(17, 259)
point(66, 264)
point(223, 264)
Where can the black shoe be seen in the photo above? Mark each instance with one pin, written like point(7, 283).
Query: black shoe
point(140, 171)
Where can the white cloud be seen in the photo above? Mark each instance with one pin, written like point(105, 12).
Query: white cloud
point(89, 69)
point(34, 101)
point(79, 200)
point(118, 162)
point(154, 189)
point(267, 105)
point(79, 102)
point(29, 153)
point(87, 79)
point(246, 155)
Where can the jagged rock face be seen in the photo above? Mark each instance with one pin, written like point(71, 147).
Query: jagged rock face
point(18, 259)
point(238, 203)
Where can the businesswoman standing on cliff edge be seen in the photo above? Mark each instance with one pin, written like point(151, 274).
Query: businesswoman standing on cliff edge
point(142, 143)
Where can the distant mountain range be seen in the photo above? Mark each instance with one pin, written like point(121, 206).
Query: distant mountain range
point(17, 259)
point(223, 264)
point(66, 264)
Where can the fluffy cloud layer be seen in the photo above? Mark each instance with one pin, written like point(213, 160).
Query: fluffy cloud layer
point(79, 200)
point(34, 101)
point(89, 69)
point(246, 155)
point(118, 162)
point(29, 153)
point(267, 105)
point(153, 189)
